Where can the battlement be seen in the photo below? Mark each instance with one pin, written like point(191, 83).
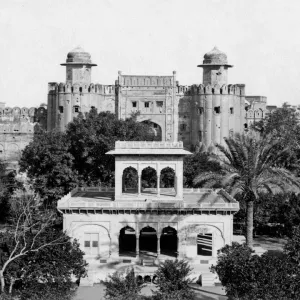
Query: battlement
point(148, 145)
point(55, 87)
point(230, 89)
point(150, 81)
point(18, 112)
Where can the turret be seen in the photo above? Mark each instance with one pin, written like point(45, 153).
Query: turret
point(215, 67)
point(78, 66)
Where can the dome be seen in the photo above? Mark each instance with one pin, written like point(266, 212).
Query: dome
point(78, 55)
point(215, 57)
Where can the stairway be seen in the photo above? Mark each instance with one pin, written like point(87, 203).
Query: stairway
point(148, 262)
point(208, 279)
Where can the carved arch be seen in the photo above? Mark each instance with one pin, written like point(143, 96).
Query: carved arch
point(90, 224)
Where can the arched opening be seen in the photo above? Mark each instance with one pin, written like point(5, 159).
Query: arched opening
point(147, 279)
point(168, 242)
point(148, 242)
point(204, 244)
point(127, 242)
point(139, 279)
point(130, 181)
point(154, 131)
point(167, 181)
point(149, 180)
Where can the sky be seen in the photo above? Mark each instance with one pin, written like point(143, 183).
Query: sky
point(149, 37)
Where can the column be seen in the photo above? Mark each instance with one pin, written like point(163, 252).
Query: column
point(158, 186)
point(175, 185)
point(178, 248)
point(139, 184)
point(158, 245)
point(137, 247)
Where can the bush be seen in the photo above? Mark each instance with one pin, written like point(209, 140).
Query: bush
point(247, 276)
point(122, 286)
point(173, 282)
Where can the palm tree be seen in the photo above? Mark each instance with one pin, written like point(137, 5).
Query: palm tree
point(250, 168)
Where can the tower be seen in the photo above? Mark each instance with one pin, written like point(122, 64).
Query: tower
point(218, 108)
point(78, 94)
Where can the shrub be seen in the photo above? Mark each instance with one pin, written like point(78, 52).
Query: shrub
point(122, 286)
point(173, 282)
point(247, 276)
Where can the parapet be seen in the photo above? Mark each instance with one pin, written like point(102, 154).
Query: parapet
point(55, 87)
point(147, 145)
point(141, 80)
point(230, 89)
point(149, 148)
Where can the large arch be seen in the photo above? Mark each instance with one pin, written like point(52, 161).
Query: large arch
point(127, 242)
point(148, 242)
point(169, 242)
point(155, 131)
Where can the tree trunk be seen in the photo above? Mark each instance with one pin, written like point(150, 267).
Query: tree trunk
point(2, 281)
point(249, 225)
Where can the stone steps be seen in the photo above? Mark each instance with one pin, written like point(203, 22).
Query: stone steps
point(148, 262)
point(208, 279)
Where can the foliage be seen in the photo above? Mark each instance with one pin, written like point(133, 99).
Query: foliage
point(122, 286)
point(49, 271)
point(196, 164)
point(49, 165)
point(283, 125)
point(249, 169)
point(172, 281)
point(35, 255)
point(95, 134)
point(247, 276)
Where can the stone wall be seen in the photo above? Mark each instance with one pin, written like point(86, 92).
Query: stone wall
point(17, 126)
point(66, 101)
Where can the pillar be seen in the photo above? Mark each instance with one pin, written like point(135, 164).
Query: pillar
point(158, 186)
point(137, 247)
point(139, 184)
point(158, 245)
point(175, 185)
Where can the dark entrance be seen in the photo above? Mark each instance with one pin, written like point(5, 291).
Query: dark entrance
point(148, 242)
point(127, 242)
point(168, 242)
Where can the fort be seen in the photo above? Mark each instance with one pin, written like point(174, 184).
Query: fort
point(201, 114)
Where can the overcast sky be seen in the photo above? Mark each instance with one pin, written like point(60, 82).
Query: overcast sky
point(155, 37)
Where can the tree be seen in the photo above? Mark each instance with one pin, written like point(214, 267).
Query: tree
point(283, 125)
point(172, 280)
point(122, 286)
point(29, 240)
point(249, 168)
point(49, 165)
point(92, 135)
point(195, 164)
point(246, 276)
point(47, 274)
